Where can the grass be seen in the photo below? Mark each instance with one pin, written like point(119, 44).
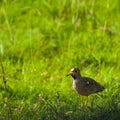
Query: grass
point(40, 41)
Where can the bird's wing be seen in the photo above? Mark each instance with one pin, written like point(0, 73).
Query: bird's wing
point(91, 85)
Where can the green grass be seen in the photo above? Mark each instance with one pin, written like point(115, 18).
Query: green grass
point(40, 41)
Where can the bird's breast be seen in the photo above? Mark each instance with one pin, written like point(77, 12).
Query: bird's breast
point(80, 88)
point(75, 84)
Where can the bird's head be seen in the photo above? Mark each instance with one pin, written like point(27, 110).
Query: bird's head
point(74, 72)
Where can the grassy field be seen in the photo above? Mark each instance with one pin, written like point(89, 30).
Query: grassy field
point(41, 40)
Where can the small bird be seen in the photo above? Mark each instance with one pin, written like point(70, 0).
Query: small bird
point(83, 85)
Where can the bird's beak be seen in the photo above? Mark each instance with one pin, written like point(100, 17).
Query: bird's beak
point(70, 73)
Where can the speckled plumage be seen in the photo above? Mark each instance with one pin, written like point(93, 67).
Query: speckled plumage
point(84, 85)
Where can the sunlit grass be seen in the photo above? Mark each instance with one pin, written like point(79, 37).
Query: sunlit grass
point(40, 41)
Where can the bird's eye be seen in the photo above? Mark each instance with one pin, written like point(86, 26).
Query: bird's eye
point(75, 70)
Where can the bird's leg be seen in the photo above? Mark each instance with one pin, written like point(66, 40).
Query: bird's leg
point(85, 103)
point(81, 102)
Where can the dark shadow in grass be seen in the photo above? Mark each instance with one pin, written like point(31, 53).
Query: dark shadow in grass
point(49, 110)
point(51, 107)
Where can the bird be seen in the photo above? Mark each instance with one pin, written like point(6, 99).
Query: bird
point(84, 86)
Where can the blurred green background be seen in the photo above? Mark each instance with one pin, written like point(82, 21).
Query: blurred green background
point(41, 40)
